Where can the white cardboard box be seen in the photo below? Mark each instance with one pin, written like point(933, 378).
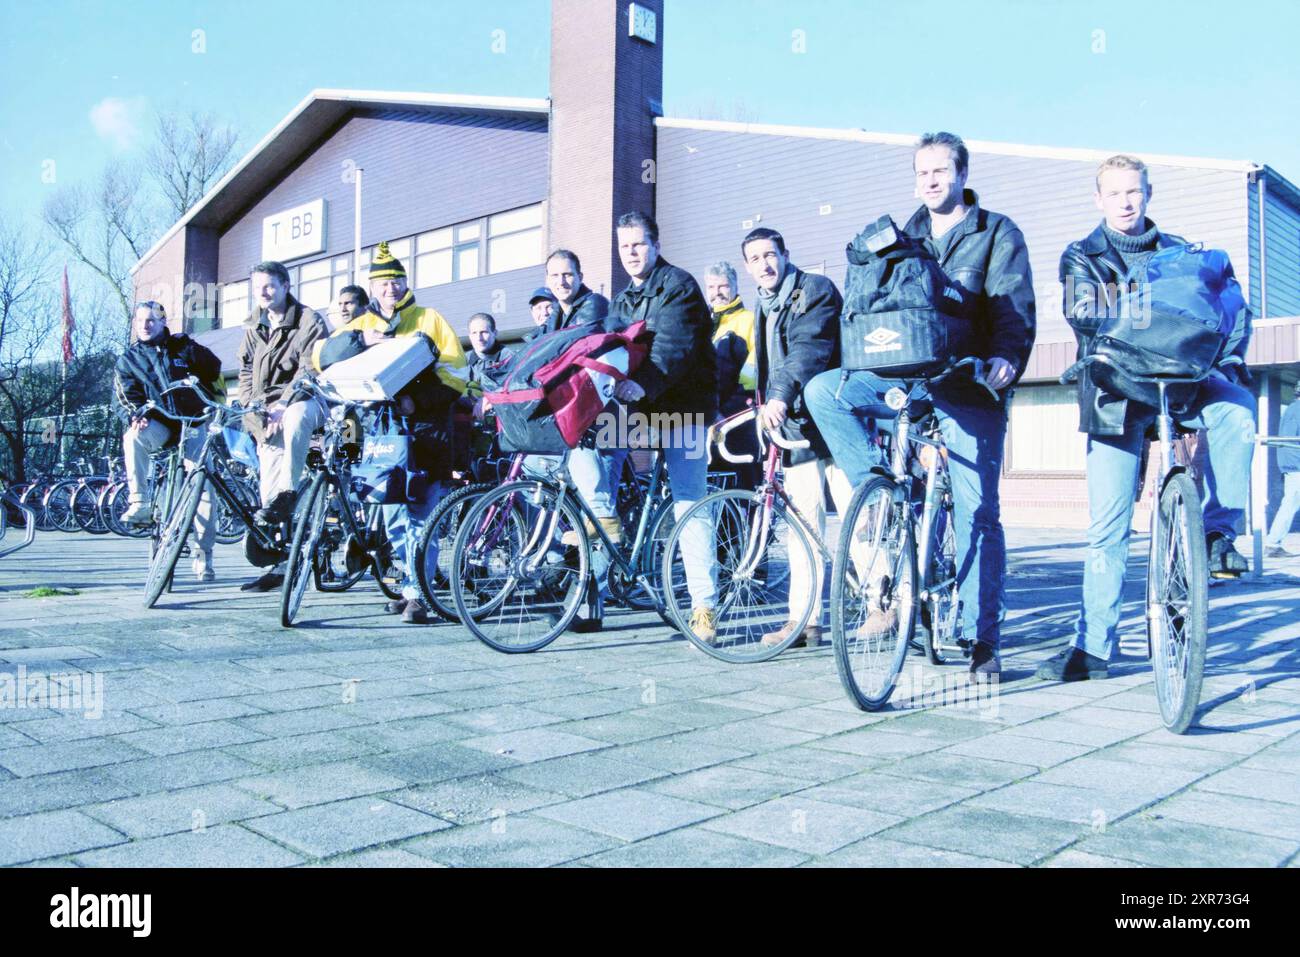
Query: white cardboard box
point(381, 371)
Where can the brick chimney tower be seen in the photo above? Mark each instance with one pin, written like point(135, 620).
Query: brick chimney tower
point(606, 89)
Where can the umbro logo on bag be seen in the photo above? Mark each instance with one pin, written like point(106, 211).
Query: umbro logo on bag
point(881, 339)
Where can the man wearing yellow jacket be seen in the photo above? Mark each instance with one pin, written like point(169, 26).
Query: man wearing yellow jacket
point(426, 402)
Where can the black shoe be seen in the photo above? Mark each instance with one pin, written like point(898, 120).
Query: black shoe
point(278, 510)
point(268, 582)
point(984, 661)
point(1225, 561)
point(586, 626)
point(1072, 664)
point(395, 607)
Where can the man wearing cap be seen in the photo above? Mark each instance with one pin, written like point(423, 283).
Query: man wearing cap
point(543, 305)
point(425, 403)
point(278, 340)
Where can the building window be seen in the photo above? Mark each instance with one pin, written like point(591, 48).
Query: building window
point(313, 287)
point(234, 303)
point(1044, 432)
point(515, 239)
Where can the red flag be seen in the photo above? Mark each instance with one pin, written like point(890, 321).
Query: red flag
point(68, 322)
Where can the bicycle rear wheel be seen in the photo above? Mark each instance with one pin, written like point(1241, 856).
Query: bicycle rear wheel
point(331, 569)
point(515, 584)
point(433, 555)
point(1177, 602)
point(755, 546)
point(85, 506)
point(309, 523)
point(58, 505)
point(873, 593)
point(941, 611)
point(172, 537)
point(648, 562)
point(230, 526)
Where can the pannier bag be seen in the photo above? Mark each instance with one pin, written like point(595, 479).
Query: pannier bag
point(1173, 320)
point(555, 389)
point(902, 316)
point(385, 474)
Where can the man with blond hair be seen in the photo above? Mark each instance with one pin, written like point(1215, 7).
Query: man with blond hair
point(1094, 273)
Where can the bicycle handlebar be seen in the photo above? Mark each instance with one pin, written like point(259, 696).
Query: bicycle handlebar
point(719, 430)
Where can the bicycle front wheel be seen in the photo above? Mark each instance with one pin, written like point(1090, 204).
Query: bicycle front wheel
point(515, 580)
point(873, 593)
point(1178, 602)
point(172, 537)
point(434, 553)
point(58, 505)
point(85, 507)
point(756, 552)
point(308, 525)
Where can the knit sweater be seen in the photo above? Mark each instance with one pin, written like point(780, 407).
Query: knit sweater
point(1136, 251)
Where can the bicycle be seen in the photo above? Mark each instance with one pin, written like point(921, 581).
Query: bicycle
point(515, 584)
point(330, 520)
point(180, 497)
point(1177, 593)
point(759, 537)
point(896, 560)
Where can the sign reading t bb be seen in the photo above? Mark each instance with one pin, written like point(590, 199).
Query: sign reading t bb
point(294, 233)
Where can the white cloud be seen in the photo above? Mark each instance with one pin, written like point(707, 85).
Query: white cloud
point(117, 121)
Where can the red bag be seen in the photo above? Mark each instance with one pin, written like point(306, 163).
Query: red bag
point(555, 389)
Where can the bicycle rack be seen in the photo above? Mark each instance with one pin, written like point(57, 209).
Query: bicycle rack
point(30, 537)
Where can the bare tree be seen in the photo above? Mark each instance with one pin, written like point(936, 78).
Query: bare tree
point(107, 228)
point(33, 381)
point(188, 156)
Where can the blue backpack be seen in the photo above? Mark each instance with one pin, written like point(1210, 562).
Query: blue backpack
point(1176, 318)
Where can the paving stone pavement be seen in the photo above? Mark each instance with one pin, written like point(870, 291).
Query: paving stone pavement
point(210, 736)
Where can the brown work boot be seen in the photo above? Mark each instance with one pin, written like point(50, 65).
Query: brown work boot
point(415, 613)
point(811, 636)
point(704, 624)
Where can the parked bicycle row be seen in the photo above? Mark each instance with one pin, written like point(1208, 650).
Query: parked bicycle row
point(893, 395)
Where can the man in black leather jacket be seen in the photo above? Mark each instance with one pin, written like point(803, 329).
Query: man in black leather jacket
point(677, 380)
point(796, 337)
point(984, 254)
point(1094, 270)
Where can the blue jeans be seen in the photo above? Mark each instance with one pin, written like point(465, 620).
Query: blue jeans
point(404, 523)
point(686, 459)
point(974, 436)
point(595, 474)
point(1227, 413)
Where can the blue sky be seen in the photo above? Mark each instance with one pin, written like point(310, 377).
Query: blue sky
point(79, 78)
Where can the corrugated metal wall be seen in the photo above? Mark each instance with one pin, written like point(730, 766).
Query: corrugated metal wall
point(818, 193)
point(1282, 256)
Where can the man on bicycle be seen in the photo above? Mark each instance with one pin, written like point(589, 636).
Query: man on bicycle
point(278, 339)
point(797, 337)
point(1092, 270)
point(145, 370)
point(984, 254)
point(676, 381)
point(426, 404)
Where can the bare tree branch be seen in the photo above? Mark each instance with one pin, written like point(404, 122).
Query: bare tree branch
point(188, 156)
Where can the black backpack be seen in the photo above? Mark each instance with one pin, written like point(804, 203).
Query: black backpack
point(902, 316)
